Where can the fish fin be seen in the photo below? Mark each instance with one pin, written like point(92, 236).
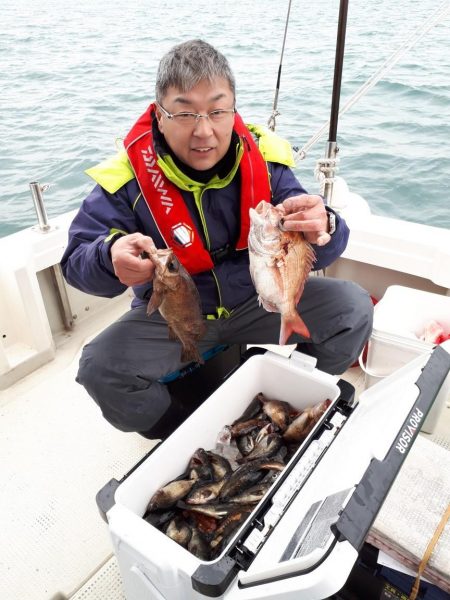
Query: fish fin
point(267, 305)
point(196, 329)
point(289, 325)
point(172, 334)
point(309, 258)
point(154, 302)
point(190, 353)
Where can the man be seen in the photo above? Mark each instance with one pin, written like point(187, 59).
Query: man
point(189, 174)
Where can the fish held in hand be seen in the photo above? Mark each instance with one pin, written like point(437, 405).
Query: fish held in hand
point(280, 262)
point(177, 299)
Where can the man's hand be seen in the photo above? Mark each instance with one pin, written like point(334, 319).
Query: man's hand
point(128, 265)
point(307, 213)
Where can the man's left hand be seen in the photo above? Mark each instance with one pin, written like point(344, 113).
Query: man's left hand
point(306, 213)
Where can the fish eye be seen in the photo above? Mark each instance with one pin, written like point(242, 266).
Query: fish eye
point(173, 265)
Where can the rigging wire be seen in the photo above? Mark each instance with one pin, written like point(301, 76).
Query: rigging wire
point(388, 64)
point(271, 122)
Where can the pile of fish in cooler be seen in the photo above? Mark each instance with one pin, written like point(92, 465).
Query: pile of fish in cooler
point(203, 507)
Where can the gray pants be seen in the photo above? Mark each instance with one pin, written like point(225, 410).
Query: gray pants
point(121, 366)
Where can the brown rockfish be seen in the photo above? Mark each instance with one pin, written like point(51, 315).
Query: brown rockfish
point(280, 262)
point(176, 297)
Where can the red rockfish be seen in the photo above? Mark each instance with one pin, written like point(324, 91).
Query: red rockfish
point(280, 262)
point(178, 301)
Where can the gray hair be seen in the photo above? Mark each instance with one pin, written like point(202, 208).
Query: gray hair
point(189, 63)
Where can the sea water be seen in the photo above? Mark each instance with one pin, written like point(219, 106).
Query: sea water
point(76, 75)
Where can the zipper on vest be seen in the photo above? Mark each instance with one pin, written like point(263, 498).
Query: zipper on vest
point(198, 203)
point(221, 312)
point(218, 287)
point(138, 197)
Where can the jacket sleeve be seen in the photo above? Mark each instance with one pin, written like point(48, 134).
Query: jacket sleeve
point(284, 184)
point(86, 262)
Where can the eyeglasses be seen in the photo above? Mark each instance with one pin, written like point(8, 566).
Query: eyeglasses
point(218, 116)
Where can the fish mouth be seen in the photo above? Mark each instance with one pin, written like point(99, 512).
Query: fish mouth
point(255, 216)
point(165, 257)
point(259, 215)
point(263, 208)
point(268, 213)
point(265, 225)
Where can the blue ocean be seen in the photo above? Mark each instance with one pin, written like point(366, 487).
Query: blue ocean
point(76, 75)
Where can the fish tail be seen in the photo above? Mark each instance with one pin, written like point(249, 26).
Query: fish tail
point(291, 324)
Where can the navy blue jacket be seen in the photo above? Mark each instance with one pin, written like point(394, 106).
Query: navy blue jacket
point(87, 265)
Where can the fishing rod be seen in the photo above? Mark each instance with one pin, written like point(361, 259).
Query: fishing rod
point(271, 122)
point(432, 20)
point(328, 165)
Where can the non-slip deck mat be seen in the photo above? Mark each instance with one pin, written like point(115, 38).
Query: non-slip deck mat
point(56, 453)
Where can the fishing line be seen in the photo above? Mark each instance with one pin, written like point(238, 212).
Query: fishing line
point(388, 64)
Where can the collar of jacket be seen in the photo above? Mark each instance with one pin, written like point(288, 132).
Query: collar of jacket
point(182, 181)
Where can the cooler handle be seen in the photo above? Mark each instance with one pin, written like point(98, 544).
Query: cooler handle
point(361, 510)
point(366, 370)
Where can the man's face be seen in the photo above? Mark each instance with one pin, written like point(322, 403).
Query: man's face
point(201, 144)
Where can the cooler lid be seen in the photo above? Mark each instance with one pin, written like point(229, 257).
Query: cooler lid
point(306, 538)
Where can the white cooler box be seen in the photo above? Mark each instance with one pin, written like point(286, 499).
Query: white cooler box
point(303, 538)
point(400, 318)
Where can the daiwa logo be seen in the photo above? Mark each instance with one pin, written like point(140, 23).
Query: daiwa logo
point(156, 178)
point(407, 434)
point(182, 234)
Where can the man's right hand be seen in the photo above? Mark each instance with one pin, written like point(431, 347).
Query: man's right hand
point(129, 267)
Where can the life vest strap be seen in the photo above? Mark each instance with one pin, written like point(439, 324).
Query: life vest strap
point(221, 254)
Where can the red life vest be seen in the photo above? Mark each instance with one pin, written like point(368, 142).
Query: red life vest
point(166, 204)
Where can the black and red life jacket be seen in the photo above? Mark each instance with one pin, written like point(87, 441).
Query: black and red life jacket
point(165, 201)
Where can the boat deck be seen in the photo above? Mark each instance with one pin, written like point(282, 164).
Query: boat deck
point(57, 452)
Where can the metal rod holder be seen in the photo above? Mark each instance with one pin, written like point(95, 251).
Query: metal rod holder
point(331, 153)
point(38, 200)
point(62, 297)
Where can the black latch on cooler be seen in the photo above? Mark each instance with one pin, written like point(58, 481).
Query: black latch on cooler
point(214, 579)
